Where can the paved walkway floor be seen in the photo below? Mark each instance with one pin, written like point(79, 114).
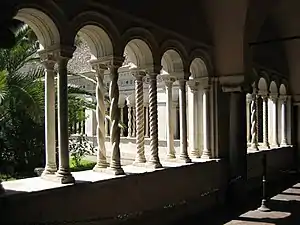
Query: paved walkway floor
point(284, 205)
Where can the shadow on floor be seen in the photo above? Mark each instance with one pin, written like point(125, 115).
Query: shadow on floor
point(285, 208)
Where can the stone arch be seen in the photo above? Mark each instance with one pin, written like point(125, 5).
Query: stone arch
point(273, 88)
point(177, 47)
point(146, 37)
point(198, 68)
point(282, 89)
point(204, 56)
point(46, 30)
point(172, 62)
point(139, 54)
point(262, 85)
point(100, 33)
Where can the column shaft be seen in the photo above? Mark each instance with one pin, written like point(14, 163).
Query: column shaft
point(100, 117)
point(170, 132)
point(274, 117)
point(154, 158)
point(266, 121)
point(183, 122)
point(283, 122)
point(63, 137)
point(206, 154)
point(248, 116)
point(134, 122)
point(139, 106)
point(50, 145)
point(147, 121)
point(129, 121)
point(115, 163)
point(254, 138)
point(193, 128)
point(122, 119)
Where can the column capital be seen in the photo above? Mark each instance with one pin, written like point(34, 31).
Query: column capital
point(274, 97)
point(193, 85)
point(152, 70)
point(47, 59)
point(232, 82)
point(168, 79)
point(108, 62)
point(263, 94)
point(283, 98)
point(138, 74)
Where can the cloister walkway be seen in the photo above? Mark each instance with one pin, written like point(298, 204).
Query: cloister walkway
point(284, 205)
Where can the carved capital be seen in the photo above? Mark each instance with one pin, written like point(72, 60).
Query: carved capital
point(274, 97)
point(232, 82)
point(168, 80)
point(138, 74)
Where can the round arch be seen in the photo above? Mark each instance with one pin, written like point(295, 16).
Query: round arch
point(171, 62)
point(99, 32)
point(43, 26)
point(198, 68)
point(273, 87)
point(143, 36)
point(139, 53)
point(282, 89)
point(262, 85)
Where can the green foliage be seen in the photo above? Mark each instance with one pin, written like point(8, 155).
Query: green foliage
point(84, 165)
point(79, 147)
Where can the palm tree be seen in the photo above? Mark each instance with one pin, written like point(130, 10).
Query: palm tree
point(22, 103)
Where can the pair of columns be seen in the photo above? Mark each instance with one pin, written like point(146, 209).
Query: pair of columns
point(63, 172)
point(169, 80)
point(252, 108)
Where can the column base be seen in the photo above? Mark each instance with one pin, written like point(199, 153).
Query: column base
point(206, 156)
point(171, 156)
point(49, 170)
point(154, 165)
point(65, 177)
point(184, 159)
point(101, 167)
point(195, 153)
point(266, 145)
point(58, 178)
point(139, 164)
point(115, 171)
point(283, 144)
point(254, 147)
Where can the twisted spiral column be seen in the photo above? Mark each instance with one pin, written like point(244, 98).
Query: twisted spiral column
point(100, 117)
point(129, 121)
point(139, 106)
point(254, 143)
point(134, 122)
point(183, 122)
point(147, 120)
point(115, 163)
point(154, 158)
point(266, 121)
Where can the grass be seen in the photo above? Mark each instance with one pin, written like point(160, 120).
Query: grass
point(84, 165)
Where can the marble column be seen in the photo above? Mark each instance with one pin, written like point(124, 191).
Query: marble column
point(147, 120)
point(283, 100)
point(193, 120)
point(170, 132)
point(139, 120)
point(254, 136)
point(274, 99)
point(122, 119)
point(106, 123)
point(183, 122)
point(266, 143)
point(154, 160)
point(206, 154)
point(50, 132)
point(63, 138)
point(248, 116)
point(115, 163)
point(129, 120)
point(100, 117)
point(134, 122)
